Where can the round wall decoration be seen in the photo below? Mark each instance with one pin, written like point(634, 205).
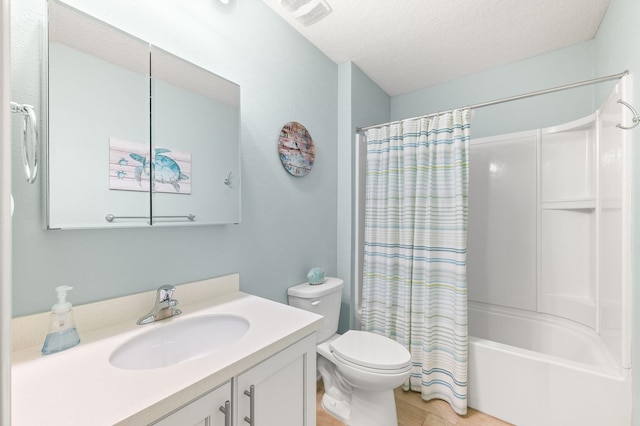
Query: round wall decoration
point(296, 149)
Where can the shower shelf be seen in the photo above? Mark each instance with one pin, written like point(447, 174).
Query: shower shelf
point(575, 204)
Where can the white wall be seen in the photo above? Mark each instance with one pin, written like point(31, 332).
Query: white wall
point(288, 224)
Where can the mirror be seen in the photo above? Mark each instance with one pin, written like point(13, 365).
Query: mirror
point(98, 89)
point(195, 130)
point(137, 136)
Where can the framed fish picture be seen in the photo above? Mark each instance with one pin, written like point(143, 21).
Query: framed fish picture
point(296, 149)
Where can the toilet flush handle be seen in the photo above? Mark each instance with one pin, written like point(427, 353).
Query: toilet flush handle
point(316, 302)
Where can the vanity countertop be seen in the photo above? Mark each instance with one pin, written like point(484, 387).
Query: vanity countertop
point(79, 386)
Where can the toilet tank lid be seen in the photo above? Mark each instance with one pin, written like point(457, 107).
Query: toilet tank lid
point(309, 291)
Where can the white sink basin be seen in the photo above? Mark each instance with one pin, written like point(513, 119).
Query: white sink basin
point(181, 341)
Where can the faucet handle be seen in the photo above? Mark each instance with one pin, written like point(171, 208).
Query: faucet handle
point(165, 293)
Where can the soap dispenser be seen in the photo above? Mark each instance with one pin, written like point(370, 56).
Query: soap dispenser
point(62, 329)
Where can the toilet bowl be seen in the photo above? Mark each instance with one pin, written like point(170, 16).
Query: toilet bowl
point(359, 369)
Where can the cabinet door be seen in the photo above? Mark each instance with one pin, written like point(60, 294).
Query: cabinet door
point(280, 389)
point(204, 411)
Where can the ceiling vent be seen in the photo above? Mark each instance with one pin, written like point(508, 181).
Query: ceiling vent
point(307, 12)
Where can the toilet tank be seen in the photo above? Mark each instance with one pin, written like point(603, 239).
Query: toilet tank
point(323, 299)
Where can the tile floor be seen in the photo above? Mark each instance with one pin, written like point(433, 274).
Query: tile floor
point(413, 411)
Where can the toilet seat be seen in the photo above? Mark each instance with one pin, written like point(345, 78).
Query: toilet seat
point(371, 352)
point(339, 360)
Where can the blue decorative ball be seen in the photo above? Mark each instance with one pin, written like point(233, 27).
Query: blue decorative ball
point(315, 276)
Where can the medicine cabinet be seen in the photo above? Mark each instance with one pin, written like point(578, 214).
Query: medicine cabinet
point(137, 136)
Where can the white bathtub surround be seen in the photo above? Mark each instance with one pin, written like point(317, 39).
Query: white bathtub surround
point(414, 276)
point(80, 387)
point(549, 261)
point(530, 369)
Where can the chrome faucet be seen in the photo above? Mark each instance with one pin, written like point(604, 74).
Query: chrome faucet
point(165, 306)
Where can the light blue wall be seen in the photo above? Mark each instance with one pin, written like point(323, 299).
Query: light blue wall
point(557, 68)
point(617, 46)
point(288, 224)
point(361, 103)
point(369, 103)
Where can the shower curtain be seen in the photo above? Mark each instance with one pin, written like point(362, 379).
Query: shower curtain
point(414, 277)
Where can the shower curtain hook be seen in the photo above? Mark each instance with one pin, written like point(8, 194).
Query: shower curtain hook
point(636, 119)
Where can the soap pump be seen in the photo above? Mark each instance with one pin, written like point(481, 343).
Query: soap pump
point(62, 329)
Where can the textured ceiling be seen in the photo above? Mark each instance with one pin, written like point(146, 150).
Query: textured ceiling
point(405, 45)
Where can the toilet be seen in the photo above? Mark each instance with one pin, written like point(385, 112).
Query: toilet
point(359, 369)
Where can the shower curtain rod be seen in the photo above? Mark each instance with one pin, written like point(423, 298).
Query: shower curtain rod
point(509, 99)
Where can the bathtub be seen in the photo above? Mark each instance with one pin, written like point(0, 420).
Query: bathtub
point(535, 369)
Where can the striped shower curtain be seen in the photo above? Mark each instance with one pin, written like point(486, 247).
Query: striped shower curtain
point(414, 277)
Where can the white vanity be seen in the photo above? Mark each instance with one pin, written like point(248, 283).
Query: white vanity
point(266, 377)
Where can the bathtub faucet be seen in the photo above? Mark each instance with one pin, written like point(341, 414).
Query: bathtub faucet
point(165, 306)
